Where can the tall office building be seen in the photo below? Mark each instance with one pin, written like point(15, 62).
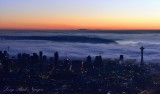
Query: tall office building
point(56, 59)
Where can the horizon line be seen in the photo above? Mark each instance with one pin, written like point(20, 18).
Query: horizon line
point(82, 29)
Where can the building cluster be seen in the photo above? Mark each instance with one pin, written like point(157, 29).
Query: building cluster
point(39, 74)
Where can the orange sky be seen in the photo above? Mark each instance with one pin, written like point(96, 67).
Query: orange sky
point(103, 15)
point(111, 23)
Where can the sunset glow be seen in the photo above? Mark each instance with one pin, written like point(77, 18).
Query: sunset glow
point(77, 14)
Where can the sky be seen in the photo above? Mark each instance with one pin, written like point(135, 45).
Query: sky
point(80, 14)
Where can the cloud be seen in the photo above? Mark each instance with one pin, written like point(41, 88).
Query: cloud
point(82, 50)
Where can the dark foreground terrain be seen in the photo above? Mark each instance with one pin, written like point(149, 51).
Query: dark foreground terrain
point(39, 74)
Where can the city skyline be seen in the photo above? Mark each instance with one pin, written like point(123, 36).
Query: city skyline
point(80, 14)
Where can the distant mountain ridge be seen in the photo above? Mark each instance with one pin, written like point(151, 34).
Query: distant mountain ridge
point(80, 39)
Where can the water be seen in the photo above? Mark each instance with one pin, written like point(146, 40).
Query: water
point(80, 44)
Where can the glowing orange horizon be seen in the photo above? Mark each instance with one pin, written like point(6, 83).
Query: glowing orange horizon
point(92, 23)
point(75, 27)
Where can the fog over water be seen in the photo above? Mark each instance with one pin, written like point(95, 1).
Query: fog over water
point(80, 44)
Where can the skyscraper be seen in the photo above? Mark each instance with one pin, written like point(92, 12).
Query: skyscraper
point(89, 59)
point(142, 49)
point(56, 59)
point(121, 58)
point(41, 56)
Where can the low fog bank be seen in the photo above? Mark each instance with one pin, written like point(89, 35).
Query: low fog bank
point(82, 50)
